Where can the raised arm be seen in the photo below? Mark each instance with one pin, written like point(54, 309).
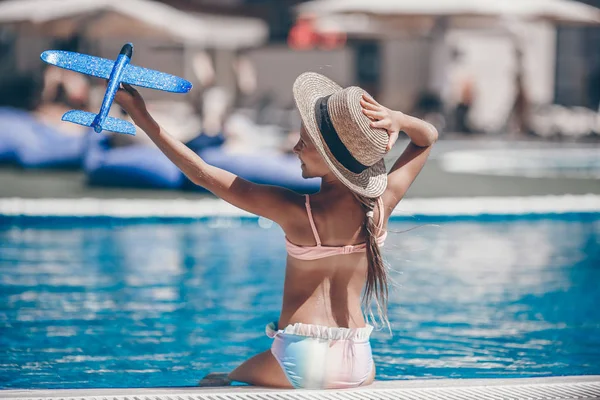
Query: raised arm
point(268, 201)
point(422, 136)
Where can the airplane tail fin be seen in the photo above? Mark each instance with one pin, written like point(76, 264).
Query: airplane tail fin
point(110, 124)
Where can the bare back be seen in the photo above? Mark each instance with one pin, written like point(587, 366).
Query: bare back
point(326, 291)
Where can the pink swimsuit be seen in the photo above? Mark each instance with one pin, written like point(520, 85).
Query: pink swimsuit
point(322, 357)
point(318, 251)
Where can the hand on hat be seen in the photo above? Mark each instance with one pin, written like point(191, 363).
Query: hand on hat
point(382, 117)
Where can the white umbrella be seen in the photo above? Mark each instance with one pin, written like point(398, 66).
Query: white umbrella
point(192, 28)
point(389, 18)
point(564, 11)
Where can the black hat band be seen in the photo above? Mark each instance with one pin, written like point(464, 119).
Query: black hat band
point(332, 139)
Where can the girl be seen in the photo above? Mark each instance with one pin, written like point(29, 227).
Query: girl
point(333, 237)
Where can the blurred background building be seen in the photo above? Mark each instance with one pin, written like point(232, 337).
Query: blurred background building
point(578, 50)
point(527, 70)
point(393, 60)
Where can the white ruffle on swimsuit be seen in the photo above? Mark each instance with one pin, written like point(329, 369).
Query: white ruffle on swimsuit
point(322, 357)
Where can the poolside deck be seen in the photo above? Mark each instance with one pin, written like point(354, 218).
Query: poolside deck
point(433, 181)
point(569, 387)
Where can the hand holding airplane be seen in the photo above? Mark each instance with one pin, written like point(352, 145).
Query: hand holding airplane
point(115, 72)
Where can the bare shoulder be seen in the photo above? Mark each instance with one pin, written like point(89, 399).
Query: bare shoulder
point(293, 210)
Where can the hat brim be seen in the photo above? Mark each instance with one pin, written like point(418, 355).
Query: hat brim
point(308, 89)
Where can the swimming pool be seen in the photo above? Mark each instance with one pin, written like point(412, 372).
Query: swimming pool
point(106, 302)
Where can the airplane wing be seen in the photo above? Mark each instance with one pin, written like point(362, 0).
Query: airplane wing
point(152, 79)
point(102, 67)
point(89, 65)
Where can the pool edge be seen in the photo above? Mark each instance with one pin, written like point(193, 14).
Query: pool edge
point(573, 387)
point(204, 208)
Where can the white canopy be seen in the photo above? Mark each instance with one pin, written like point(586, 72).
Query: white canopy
point(128, 16)
point(564, 11)
point(394, 18)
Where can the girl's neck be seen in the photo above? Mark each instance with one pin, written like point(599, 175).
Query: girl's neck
point(333, 187)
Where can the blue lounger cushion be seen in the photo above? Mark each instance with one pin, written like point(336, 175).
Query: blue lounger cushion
point(135, 166)
point(269, 169)
point(31, 144)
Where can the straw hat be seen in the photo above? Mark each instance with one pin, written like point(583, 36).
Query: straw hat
point(342, 134)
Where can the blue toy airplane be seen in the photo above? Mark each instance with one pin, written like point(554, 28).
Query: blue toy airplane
point(116, 72)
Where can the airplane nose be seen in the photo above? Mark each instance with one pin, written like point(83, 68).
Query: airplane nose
point(127, 50)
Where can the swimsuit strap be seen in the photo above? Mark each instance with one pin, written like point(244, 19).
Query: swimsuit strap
point(312, 222)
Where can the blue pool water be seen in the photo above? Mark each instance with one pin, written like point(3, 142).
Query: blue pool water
point(108, 303)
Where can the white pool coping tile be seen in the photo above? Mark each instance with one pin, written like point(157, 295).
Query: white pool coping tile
point(568, 387)
point(186, 208)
